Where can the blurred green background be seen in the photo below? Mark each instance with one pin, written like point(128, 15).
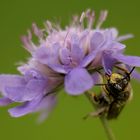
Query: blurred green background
point(66, 122)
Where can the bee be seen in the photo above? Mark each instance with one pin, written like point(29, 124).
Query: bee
point(115, 94)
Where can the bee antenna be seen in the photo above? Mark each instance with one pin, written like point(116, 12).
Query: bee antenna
point(131, 70)
point(128, 74)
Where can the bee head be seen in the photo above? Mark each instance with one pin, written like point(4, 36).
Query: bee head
point(118, 81)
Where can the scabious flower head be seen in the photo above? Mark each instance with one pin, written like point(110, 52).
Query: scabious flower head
point(63, 57)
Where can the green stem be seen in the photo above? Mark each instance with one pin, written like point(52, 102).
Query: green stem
point(107, 129)
point(103, 120)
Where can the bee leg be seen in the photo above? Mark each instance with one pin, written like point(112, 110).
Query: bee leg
point(95, 97)
point(97, 113)
point(106, 98)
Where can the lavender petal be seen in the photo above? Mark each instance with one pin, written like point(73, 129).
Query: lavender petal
point(46, 105)
point(77, 53)
point(64, 56)
point(49, 56)
point(27, 107)
point(96, 41)
point(10, 80)
point(129, 60)
point(135, 74)
point(5, 101)
point(78, 81)
point(88, 59)
point(26, 92)
point(108, 62)
point(96, 78)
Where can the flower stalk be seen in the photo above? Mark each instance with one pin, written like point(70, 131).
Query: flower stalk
point(103, 120)
point(107, 129)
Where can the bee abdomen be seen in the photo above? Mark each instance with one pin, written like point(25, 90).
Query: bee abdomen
point(118, 104)
point(115, 109)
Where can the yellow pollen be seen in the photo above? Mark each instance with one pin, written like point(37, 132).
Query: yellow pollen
point(114, 77)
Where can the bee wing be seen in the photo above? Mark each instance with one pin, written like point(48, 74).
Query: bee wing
point(115, 109)
point(117, 105)
point(129, 88)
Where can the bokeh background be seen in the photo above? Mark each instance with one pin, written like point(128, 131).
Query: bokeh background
point(66, 122)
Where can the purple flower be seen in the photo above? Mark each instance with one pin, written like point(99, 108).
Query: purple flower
point(63, 58)
point(30, 90)
point(76, 49)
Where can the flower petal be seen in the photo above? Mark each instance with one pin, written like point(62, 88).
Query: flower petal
point(125, 37)
point(84, 40)
point(96, 41)
point(135, 74)
point(39, 104)
point(26, 92)
point(10, 80)
point(77, 53)
point(97, 79)
point(108, 62)
point(116, 47)
point(27, 107)
point(78, 81)
point(59, 68)
point(5, 101)
point(46, 105)
point(129, 60)
point(64, 56)
point(23, 88)
point(88, 59)
point(47, 102)
point(49, 56)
